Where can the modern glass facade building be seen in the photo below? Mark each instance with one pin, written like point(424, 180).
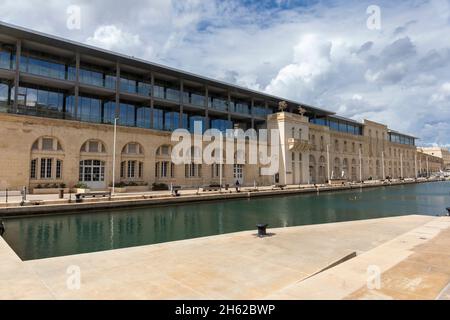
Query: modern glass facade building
point(64, 80)
point(81, 90)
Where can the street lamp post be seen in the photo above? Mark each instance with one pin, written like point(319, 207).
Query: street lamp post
point(114, 158)
point(328, 163)
point(401, 165)
point(360, 165)
point(415, 165)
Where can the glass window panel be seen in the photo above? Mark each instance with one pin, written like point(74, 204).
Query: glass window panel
point(43, 67)
point(158, 119)
point(196, 119)
point(109, 112)
point(4, 88)
point(144, 89)
point(47, 144)
point(172, 120)
point(143, 117)
point(110, 82)
point(127, 116)
point(221, 125)
point(197, 99)
point(172, 94)
point(32, 97)
point(159, 91)
point(5, 59)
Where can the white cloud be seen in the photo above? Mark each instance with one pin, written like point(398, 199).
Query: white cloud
point(112, 38)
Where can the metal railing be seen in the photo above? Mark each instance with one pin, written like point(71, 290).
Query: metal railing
point(7, 194)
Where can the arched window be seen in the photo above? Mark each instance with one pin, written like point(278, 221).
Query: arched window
point(46, 144)
point(132, 164)
point(193, 169)
point(93, 146)
point(46, 163)
point(164, 151)
point(133, 148)
point(218, 167)
point(164, 168)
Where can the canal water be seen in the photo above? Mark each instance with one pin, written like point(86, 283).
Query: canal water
point(51, 236)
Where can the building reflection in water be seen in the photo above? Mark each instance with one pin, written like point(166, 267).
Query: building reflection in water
point(49, 236)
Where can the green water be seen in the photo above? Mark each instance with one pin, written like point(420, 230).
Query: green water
point(50, 236)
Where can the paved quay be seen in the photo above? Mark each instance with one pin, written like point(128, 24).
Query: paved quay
point(411, 252)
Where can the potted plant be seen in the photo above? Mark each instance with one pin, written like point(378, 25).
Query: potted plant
point(81, 187)
point(160, 187)
point(137, 187)
point(49, 188)
point(119, 187)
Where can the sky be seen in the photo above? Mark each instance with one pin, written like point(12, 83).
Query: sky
point(391, 65)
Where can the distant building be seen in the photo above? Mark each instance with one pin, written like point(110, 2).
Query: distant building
point(442, 153)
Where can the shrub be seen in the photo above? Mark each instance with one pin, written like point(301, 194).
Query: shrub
point(81, 185)
point(62, 185)
point(160, 187)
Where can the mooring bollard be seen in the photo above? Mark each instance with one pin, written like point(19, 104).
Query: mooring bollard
point(262, 230)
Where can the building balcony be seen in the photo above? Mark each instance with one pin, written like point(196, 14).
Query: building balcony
point(299, 145)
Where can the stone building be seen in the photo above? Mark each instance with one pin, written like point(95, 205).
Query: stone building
point(59, 102)
point(439, 152)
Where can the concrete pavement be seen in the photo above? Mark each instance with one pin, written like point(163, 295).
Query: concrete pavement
point(242, 266)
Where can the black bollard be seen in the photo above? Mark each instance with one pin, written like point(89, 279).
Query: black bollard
point(2, 228)
point(448, 210)
point(262, 230)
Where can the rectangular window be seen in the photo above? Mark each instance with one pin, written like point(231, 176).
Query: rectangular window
point(141, 169)
point(164, 169)
point(131, 169)
point(58, 169)
point(47, 144)
point(122, 169)
point(165, 150)
point(46, 168)
point(33, 169)
point(132, 148)
point(193, 170)
point(93, 147)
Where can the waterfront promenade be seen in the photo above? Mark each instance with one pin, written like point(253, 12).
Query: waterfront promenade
point(51, 204)
point(410, 252)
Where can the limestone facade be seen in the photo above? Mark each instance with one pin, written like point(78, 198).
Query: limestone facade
point(47, 152)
